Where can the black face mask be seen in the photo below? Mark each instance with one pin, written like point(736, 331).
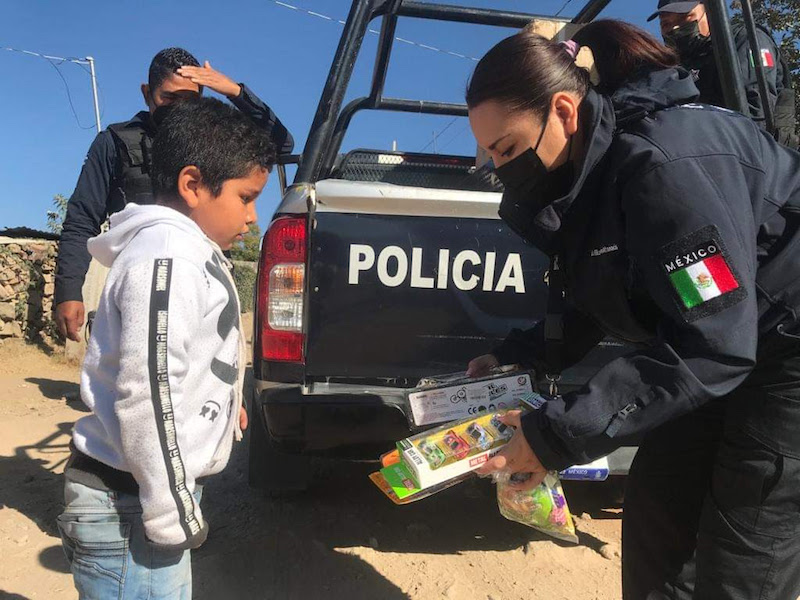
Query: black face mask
point(529, 187)
point(687, 41)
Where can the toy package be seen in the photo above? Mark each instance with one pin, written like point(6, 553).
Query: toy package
point(543, 508)
point(451, 450)
point(443, 398)
point(433, 460)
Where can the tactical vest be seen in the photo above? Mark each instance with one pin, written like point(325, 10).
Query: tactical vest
point(132, 177)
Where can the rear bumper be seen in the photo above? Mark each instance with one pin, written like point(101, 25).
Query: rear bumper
point(358, 426)
point(355, 426)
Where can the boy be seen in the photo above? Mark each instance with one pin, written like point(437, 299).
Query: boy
point(164, 367)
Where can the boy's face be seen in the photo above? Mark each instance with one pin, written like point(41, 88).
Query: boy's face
point(227, 217)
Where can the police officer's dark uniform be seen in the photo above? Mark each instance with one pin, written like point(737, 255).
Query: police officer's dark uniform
point(680, 234)
point(699, 59)
point(116, 171)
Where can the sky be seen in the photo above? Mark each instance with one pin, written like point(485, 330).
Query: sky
point(282, 54)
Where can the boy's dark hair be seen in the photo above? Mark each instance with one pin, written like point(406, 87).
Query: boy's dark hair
point(166, 62)
point(212, 136)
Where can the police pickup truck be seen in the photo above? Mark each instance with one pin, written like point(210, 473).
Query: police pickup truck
point(380, 268)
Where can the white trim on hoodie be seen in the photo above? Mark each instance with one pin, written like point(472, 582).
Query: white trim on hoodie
point(164, 368)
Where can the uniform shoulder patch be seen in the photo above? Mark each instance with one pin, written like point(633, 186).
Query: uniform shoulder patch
point(702, 278)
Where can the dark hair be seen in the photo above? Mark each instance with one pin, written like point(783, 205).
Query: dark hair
point(212, 136)
point(166, 62)
point(621, 50)
point(526, 69)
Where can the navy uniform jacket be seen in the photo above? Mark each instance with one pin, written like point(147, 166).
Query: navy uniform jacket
point(704, 69)
point(89, 206)
point(681, 235)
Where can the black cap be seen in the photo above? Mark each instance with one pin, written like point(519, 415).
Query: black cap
point(673, 7)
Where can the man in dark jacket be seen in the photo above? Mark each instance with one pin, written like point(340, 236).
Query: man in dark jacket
point(117, 167)
point(685, 27)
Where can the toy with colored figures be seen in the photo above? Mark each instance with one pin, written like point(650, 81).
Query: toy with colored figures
point(465, 444)
point(432, 453)
point(457, 446)
point(543, 508)
point(501, 428)
point(479, 436)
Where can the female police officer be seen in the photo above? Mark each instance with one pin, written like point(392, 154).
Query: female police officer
point(676, 227)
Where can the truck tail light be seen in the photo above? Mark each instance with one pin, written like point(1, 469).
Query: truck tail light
point(281, 282)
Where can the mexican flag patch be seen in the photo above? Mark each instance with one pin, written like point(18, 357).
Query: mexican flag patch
point(767, 59)
point(699, 272)
point(703, 280)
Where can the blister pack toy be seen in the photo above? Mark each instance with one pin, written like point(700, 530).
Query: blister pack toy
point(543, 508)
point(433, 460)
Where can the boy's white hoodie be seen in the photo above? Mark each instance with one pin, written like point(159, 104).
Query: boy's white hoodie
point(164, 367)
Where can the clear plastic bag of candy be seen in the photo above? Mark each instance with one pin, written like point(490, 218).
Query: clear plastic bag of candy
point(543, 508)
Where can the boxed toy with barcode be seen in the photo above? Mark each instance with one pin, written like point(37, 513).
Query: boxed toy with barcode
point(444, 398)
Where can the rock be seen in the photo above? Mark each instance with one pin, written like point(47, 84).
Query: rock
point(586, 517)
point(6, 292)
point(49, 288)
point(609, 551)
point(22, 540)
point(7, 311)
point(10, 329)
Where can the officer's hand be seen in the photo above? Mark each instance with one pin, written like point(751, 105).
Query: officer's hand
point(243, 420)
point(70, 316)
point(211, 78)
point(516, 456)
point(482, 366)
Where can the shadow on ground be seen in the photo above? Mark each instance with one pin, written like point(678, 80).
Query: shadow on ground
point(31, 485)
point(301, 546)
point(53, 558)
point(55, 389)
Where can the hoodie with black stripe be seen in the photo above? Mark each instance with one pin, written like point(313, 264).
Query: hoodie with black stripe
point(164, 368)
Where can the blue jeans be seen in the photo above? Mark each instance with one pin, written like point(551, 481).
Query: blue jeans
point(103, 537)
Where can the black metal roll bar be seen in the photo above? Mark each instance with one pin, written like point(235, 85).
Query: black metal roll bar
point(331, 120)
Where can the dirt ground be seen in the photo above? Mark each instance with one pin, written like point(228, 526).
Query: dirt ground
point(341, 539)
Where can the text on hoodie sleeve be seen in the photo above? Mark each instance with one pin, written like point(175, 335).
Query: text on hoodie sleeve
point(162, 303)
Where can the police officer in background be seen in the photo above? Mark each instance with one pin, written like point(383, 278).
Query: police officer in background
point(685, 28)
point(116, 170)
point(674, 226)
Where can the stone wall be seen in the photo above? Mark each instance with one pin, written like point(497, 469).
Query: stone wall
point(27, 274)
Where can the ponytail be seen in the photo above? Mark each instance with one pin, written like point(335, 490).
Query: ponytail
point(525, 70)
point(620, 50)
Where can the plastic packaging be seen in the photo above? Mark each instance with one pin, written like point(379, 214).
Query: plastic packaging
point(454, 396)
point(543, 508)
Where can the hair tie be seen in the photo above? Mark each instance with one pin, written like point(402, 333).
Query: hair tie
point(572, 47)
